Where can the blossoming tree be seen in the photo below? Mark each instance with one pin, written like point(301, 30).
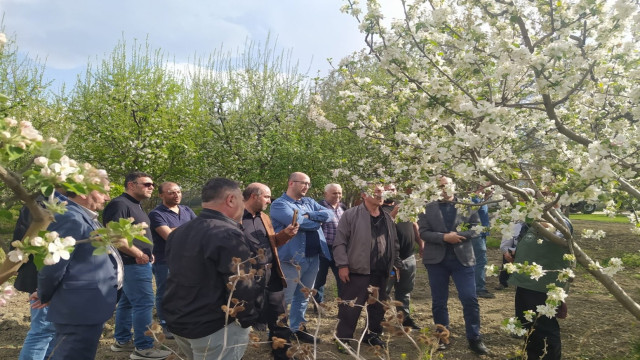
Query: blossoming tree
point(31, 165)
point(542, 94)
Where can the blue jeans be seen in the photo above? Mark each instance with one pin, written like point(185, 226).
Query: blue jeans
point(135, 306)
point(39, 341)
point(161, 272)
point(321, 278)
point(464, 279)
point(292, 294)
point(480, 251)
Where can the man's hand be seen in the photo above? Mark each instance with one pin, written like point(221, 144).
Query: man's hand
point(142, 259)
point(453, 238)
point(396, 274)
point(508, 256)
point(344, 274)
point(421, 248)
point(36, 304)
point(291, 230)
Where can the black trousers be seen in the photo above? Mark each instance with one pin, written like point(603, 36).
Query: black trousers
point(76, 342)
point(356, 288)
point(274, 306)
point(545, 329)
point(503, 277)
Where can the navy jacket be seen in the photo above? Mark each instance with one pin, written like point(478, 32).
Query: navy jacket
point(83, 289)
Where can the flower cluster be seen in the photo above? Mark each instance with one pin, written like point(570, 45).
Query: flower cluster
point(47, 248)
point(7, 291)
point(513, 326)
point(590, 234)
point(615, 265)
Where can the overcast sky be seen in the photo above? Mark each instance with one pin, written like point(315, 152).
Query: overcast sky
point(69, 33)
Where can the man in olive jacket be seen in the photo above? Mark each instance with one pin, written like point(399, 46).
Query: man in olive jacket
point(365, 251)
point(201, 256)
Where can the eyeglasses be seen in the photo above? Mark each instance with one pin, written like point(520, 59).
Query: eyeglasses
point(302, 182)
point(148, 184)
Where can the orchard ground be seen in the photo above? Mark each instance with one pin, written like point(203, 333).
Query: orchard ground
point(597, 327)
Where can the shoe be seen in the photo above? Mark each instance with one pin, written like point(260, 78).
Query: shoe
point(486, 294)
point(167, 333)
point(441, 346)
point(343, 348)
point(305, 337)
point(408, 322)
point(374, 340)
point(128, 346)
point(501, 287)
point(149, 354)
point(478, 347)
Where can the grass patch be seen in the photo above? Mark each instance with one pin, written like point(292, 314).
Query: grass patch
point(493, 242)
point(600, 217)
point(631, 260)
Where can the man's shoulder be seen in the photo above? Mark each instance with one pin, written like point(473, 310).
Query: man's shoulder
point(119, 201)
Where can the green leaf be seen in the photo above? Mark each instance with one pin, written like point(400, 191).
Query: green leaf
point(47, 189)
point(100, 249)
point(14, 152)
point(143, 239)
point(6, 214)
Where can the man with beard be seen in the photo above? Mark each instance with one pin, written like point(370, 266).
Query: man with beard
point(300, 256)
point(262, 238)
point(165, 218)
point(135, 306)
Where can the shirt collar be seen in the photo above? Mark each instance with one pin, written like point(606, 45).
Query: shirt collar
point(290, 199)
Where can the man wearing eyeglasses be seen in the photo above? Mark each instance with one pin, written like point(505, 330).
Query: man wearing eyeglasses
point(136, 302)
point(303, 250)
point(165, 218)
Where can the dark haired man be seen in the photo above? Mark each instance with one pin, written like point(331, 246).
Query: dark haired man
point(365, 251)
point(202, 256)
point(165, 218)
point(136, 303)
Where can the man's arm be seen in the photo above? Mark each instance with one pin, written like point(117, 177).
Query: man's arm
point(159, 225)
point(282, 214)
point(223, 253)
point(428, 231)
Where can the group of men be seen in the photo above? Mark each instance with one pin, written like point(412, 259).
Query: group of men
point(233, 266)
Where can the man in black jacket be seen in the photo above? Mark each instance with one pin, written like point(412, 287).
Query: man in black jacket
point(204, 256)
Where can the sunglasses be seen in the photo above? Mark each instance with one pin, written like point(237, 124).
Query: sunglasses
point(147, 184)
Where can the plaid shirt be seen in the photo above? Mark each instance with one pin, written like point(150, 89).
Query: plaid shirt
point(329, 227)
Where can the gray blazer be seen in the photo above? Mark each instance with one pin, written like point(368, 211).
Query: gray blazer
point(432, 230)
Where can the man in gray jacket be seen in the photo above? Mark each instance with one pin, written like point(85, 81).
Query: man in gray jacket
point(365, 250)
point(448, 253)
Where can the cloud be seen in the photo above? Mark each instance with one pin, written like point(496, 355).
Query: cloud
point(70, 32)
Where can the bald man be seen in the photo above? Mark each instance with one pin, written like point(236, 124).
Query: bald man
point(303, 250)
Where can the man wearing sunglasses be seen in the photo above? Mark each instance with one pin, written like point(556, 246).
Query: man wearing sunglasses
point(136, 302)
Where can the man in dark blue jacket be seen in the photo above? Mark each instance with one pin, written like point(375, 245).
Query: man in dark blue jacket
point(81, 292)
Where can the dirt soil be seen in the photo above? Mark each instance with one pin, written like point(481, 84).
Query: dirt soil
point(597, 327)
